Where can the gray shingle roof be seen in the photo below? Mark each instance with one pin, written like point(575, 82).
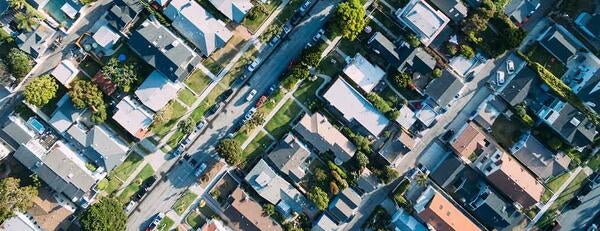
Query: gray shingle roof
point(35, 43)
point(560, 43)
point(454, 9)
point(288, 157)
point(574, 126)
point(443, 89)
point(103, 146)
point(537, 158)
point(163, 50)
point(123, 12)
point(519, 87)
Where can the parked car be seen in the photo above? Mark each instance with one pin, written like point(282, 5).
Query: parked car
point(155, 221)
point(448, 135)
point(286, 29)
point(251, 95)
point(149, 182)
point(252, 66)
point(305, 6)
point(225, 95)
point(201, 124)
point(500, 77)
point(271, 89)
point(470, 76)
point(130, 206)
point(200, 170)
point(250, 113)
point(318, 35)
point(510, 67)
point(212, 109)
point(261, 101)
point(274, 40)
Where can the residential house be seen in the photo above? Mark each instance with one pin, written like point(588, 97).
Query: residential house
point(233, 9)
point(510, 177)
point(36, 42)
point(541, 161)
point(404, 221)
point(474, 194)
point(65, 114)
point(397, 145)
point(418, 62)
point(355, 109)
point(571, 124)
point(20, 222)
point(123, 14)
point(105, 38)
point(363, 73)
point(245, 214)
point(37, 4)
point(519, 11)
point(316, 130)
point(197, 25)
point(559, 42)
point(425, 21)
point(19, 130)
point(61, 168)
point(367, 181)
point(133, 116)
point(276, 190)
point(588, 23)
point(289, 157)
point(385, 48)
point(441, 214)
point(444, 89)
point(469, 142)
point(525, 84)
point(214, 224)
point(325, 223)
point(454, 9)
point(156, 91)
point(407, 117)
point(163, 50)
point(65, 72)
point(102, 146)
point(590, 92)
point(488, 112)
point(343, 207)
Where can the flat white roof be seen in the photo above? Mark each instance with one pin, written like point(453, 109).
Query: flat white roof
point(132, 116)
point(423, 19)
point(60, 121)
point(363, 73)
point(355, 107)
point(407, 117)
point(426, 115)
point(106, 37)
point(69, 10)
point(227, 6)
point(65, 72)
point(156, 91)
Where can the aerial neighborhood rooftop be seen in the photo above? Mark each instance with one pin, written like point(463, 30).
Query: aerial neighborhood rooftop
point(299, 115)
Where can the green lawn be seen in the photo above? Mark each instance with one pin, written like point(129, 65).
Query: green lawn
point(261, 16)
point(127, 167)
point(240, 137)
point(178, 110)
point(594, 163)
point(306, 94)
point(184, 202)
point(165, 224)
point(198, 81)
point(132, 188)
point(208, 101)
point(280, 123)
point(537, 53)
point(553, 185)
point(570, 191)
point(175, 138)
point(195, 220)
point(186, 96)
point(391, 97)
point(109, 184)
point(332, 64)
point(256, 147)
point(288, 10)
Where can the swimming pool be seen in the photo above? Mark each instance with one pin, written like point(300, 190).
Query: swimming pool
point(36, 125)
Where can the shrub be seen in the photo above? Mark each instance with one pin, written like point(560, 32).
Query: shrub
point(467, 51)
point(437, 72)
point(85, 94)
point(319, 198)
point(412, 40)
point(18, 63)
point(40, 91)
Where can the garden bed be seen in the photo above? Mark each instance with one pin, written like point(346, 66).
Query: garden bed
point(184, 202)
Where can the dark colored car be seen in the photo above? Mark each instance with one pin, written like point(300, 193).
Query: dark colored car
point(448, 135)
point(149, 182)
point(212, 109)
point(155, 221)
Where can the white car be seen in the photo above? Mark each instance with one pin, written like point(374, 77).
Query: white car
point(510, 67)
point(500, 77)
point(253, 65)
point(200, 170)
point(251, 95)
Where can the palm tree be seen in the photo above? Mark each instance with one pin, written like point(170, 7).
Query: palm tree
point(421, 179)
point(26, 21)
point(17, 4)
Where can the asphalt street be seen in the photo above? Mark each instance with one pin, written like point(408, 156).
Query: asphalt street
point(578, 218)
point(180, 177)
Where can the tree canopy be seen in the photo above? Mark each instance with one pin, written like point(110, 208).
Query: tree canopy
point(319, 198)
point(27, 20)
point(17, 4)
point(106, 215)
point(41, 90)
point(349, 19)
point(86, 94)
point(230, 150)
point(122, 74)
point(18, 63)
point(14, 197)
point(186, 126)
